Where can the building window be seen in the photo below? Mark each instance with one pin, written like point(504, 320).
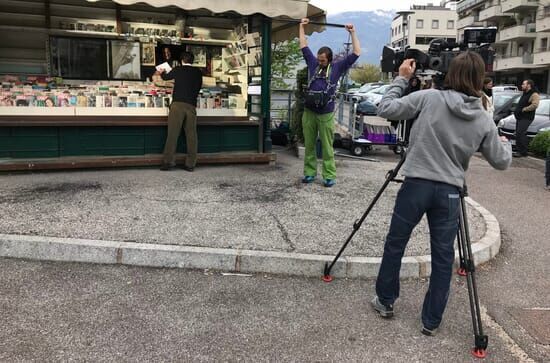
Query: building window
point(419, 24)
point(450, 24)
point(435, 24)
point(543, 44)
point(399, 29)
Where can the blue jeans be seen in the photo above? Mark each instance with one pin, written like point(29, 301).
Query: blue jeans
point(440, 202)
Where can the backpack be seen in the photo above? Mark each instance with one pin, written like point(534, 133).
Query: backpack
point(317, 100)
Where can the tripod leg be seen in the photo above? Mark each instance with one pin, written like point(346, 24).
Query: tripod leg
point(461, 271)
point(389, 177)
point(481, 340)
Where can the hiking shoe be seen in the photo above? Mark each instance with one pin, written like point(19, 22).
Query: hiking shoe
point(329, 183)
point(308, 179)
point(385, 311)
point(429, 332)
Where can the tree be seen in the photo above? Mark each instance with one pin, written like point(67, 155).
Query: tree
point(366, 73)
point(285, 57)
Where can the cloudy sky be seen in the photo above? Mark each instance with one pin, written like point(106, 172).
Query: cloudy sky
point(340, 6)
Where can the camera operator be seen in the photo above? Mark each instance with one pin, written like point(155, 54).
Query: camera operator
point(451, 126)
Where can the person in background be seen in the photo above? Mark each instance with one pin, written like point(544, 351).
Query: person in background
point(450, 127)
point(167, 57)
point(488, 93)
point(525, 114)
point(188, 82)
point(547, 171)
point(318, 118)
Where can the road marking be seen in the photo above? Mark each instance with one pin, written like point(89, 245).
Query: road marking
point(510, 344)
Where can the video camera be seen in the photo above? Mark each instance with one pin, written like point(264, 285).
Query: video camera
point(441, 52)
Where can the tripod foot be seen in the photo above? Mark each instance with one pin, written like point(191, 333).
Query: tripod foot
point(327, 278)
point(461, 271)
point(479, 353)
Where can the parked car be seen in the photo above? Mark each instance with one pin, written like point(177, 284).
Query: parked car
point(375, 96)
point(505, 87)
point(507, 126)
point(503, 102)
point(366, 88)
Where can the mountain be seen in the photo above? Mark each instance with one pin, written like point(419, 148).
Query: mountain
point(373, 31)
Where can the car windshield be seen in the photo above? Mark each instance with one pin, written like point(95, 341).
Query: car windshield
point(381, 90)
point(501, 98)
point(367, 87)
point(544, 108)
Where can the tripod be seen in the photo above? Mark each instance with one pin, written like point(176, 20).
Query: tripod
point(466, 258)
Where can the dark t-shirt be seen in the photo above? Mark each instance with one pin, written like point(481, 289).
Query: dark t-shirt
point(188, 83)
point(336, 70)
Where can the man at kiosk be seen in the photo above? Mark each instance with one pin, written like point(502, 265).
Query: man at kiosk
point(188, 82)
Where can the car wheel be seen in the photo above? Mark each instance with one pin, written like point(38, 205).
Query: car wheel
point(398, 149)
point(357, 150)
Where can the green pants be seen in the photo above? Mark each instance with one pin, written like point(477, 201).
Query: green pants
point(181, 114)
point(321, 125)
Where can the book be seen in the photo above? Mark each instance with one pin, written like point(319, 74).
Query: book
point(164, 66)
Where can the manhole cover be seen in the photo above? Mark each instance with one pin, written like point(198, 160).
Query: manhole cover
point(536, 322)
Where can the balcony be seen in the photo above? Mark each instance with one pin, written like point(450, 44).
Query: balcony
point(507, 63)
point(517, 6)
point(468, 4)
point(518, 32)
point(492, 13)
point(468, 21)
point(543, 20)
point(542, 58)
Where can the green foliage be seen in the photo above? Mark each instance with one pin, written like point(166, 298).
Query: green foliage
point(285, 58)
point(296, 130)
point(365, 73)
point(540, 145)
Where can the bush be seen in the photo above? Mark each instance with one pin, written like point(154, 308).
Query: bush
point(296, 130)
point(540, 145)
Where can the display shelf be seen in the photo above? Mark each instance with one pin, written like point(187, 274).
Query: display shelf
point(37, 111)
point(112, 111)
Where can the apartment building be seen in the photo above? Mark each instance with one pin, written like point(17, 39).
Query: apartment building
point(522, 45)
point(420, 24)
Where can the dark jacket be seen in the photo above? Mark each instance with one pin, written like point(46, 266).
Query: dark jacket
point(527, 105)
point(188, 83)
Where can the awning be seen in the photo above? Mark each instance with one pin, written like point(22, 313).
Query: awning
point(278, 10)
point(271, 8)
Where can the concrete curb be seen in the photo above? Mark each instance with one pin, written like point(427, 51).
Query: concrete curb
point(246, 261)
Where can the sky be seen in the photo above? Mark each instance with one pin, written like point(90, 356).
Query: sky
point(339, 6)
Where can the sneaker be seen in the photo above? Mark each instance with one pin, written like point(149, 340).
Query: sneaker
point(329, 183)
point(167, 167)
point(518, 155)
point(188, 168)
point(308, 179)
point(385, 311)
point(547, 188)
point(429, 332)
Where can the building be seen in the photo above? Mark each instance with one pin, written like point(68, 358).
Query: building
point(422, 23)
point(522, 49)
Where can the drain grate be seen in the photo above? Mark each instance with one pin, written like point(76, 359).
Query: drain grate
point(536, 322)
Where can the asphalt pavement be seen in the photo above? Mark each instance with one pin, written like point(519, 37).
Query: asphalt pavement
point(67, 311)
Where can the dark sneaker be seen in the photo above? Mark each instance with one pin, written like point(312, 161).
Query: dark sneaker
point(429, 332)
point(518, 155)
point(308, 179)
point(385, 311)
point(188, 168)
point(167, 167)
point(329, 183)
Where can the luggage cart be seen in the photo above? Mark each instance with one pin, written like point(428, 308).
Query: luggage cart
point(366, 135)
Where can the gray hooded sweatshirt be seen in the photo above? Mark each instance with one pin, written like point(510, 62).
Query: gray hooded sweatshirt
point(450, 127)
